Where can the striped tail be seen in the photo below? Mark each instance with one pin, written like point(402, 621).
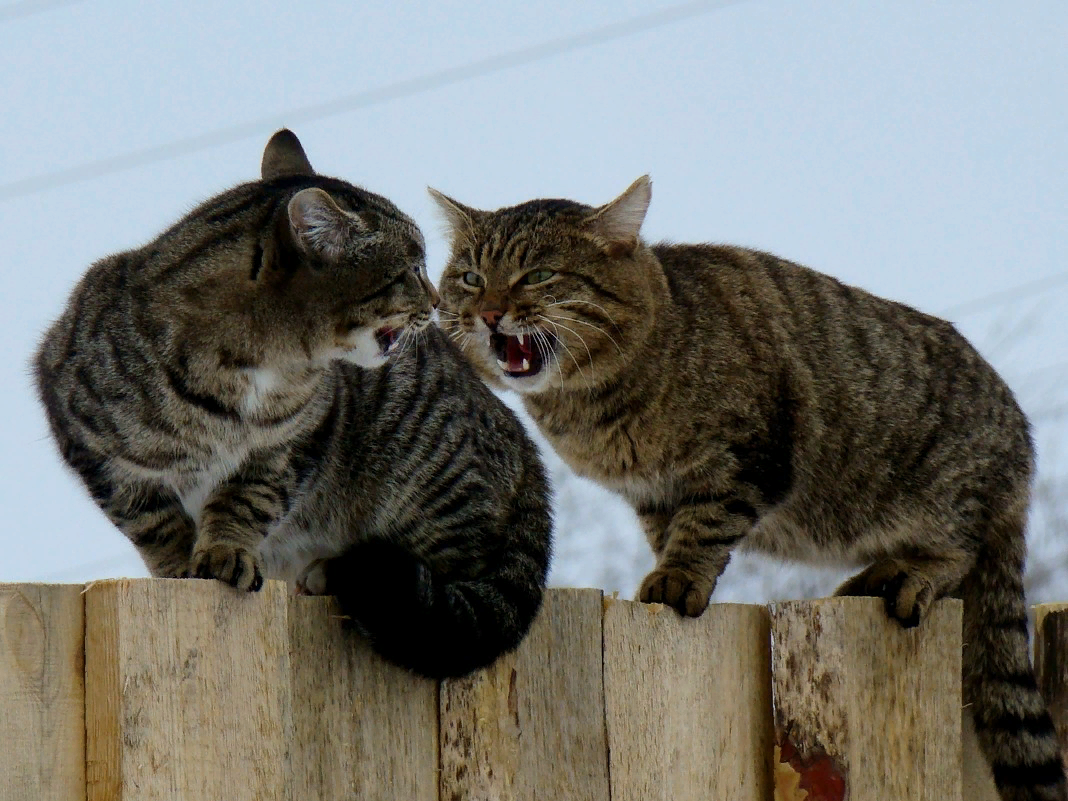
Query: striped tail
point(1012, 720)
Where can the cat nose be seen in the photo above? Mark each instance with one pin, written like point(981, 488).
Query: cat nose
point(491, 317)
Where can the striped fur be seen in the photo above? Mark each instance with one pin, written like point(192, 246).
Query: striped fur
point(739, 400)
point(259, 393)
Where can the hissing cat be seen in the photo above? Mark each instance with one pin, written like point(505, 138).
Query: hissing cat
point(258, 393)
point(739, 400)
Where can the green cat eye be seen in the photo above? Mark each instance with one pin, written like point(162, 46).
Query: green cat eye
point(474, 279)
point(537, 277)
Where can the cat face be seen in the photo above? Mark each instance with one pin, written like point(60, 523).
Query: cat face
point(548, 293)
point(341, 271)
point(367, 274)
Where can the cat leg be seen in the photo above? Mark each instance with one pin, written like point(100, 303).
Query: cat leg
point(696, 546)
point(234, 522)
point(153, 519)
point(909, 585)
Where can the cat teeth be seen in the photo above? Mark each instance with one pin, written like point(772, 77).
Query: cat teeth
point(502, 364)
point(526, 364)
point(522, 340)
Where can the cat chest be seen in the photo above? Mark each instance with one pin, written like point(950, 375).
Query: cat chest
point(194, 489)
point(609, 456)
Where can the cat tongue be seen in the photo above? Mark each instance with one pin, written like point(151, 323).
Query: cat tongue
point(517, 354)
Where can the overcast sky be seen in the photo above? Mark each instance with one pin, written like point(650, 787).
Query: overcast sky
point(916, 149)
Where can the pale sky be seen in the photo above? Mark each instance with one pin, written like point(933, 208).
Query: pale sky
point(916, 149)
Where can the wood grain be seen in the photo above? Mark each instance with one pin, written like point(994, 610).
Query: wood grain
point(187, 691)
point(688, 702)
point(362, 728)
point(42, 692)
point(1051, 665)
point(531, 726)
point(863, 708)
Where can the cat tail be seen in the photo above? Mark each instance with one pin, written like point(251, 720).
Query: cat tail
point(1012, 720)
point(449, 623)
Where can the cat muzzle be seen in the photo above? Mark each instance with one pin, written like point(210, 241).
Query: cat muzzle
point(519, 356)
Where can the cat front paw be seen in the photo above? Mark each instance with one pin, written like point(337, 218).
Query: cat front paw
point(905, 589)
point(239, 567)
point(684, 590)
point(313, 580)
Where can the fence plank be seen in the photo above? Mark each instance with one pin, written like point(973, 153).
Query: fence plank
point(362, 728)
point(688, 702)
point(187, 691)
point(42, 692)
point(531, 726)
point(1051, 665)
point(861, 704)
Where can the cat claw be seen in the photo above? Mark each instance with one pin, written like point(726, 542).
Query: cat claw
point(238, 567)
point(312, 581)
point(686, 592)
point(907, 593)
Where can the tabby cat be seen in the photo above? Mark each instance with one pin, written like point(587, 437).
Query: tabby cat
point(258, 393)
point(739, 400)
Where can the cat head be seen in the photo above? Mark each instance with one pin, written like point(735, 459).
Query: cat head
point(346, 267)
point(549, 293)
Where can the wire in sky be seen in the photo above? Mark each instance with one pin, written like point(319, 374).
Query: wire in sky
point(1018, 292)
point(27, 8)
point(363, 99)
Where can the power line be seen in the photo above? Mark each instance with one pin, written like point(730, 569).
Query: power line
point(28, 8)
point(1000, 298)
point(359, 100)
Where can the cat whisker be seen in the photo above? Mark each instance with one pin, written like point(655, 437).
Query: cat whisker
point(569, 353)
point(549, 318)
point(548, 353)
point(591, 325)
point(588, 303)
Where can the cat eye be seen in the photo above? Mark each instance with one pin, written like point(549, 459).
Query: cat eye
point(474, 279)
point(537, 277)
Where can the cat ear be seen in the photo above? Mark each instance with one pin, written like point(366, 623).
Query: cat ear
point(284, 156)
point(320, 226)
point(460, 218)
point(615, 225)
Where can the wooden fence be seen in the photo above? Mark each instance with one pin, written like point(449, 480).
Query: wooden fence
point(185, 690)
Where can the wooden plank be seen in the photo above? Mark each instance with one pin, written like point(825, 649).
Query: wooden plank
point(688, 702)
point(42, 692)
point(531, 726)
point(863, 708)
point(187, 691)
point(362, 728)
point(1051, 665)
point(977, 780)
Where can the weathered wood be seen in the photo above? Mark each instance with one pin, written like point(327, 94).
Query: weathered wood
point(187, 691)
point(362, 728)
point(864, 705)
point(688, 702)
point(977, 780)
point(531, 726)
point(42, 692)
point(1051, 665)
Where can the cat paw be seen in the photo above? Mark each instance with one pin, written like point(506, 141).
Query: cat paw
point(907, 592)
point(313, 580)
point(684, 590)
point(239, 567)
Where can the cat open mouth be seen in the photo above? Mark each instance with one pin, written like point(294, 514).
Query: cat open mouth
point(517, 355)
point(387, 338)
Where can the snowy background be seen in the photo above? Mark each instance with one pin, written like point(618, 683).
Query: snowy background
point(917, 149)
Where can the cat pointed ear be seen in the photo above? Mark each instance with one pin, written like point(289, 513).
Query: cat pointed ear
point(615, 225)
point(284, 156)
point(320, 226)
point(461, 218)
